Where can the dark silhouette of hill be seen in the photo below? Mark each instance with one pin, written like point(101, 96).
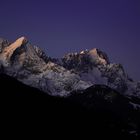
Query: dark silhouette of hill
point(90, 113)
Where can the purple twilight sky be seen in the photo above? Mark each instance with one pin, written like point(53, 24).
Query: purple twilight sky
point(62, 26)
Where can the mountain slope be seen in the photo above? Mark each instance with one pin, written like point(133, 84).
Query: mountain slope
point(99, 109)
point(94, 67)
point(27, 65)
point(59, 77)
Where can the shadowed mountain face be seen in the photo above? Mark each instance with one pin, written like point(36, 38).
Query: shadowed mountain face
point(99, 109)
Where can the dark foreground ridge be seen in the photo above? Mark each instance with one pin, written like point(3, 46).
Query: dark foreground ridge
point(97, 111)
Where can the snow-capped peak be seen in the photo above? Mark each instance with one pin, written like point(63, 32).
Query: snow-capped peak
point(75, 71)
point(8, 51)
point(28, 64)
point(98, 55)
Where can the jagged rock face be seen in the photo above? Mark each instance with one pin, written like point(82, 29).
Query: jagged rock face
point(75, 71)
point(76, 61)
point(8, 51)
point(30, 65)
point(41, 54)
point(3, 43)
point(98, 57)
point(80, 61)
point(94, 67)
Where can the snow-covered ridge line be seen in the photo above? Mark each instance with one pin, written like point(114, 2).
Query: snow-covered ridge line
point(74, 71)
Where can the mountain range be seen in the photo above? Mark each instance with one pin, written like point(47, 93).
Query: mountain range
point(87, 79)
point(59, 77)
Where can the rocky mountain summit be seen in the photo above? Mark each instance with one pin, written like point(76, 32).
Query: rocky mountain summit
point(73, 72)
point(85, 84)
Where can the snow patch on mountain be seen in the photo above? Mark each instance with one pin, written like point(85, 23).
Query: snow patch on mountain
point(59, 77)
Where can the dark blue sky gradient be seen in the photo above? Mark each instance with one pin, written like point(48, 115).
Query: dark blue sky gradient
point(62, 26)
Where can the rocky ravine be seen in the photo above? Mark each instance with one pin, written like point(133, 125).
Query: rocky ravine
point(59, 77)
